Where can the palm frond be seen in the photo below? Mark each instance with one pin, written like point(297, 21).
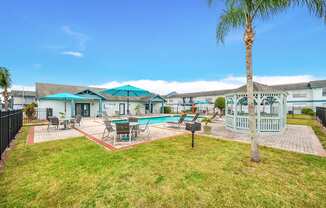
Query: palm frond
point(231, 18)
point(5, 78)
point(268, 8)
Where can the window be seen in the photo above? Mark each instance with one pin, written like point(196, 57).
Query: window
point(299, 95)
point(209, 100)
point(324, 91)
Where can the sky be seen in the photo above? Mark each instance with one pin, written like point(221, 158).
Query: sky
point(161, 45)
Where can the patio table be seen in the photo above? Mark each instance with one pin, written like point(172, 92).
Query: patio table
point(65, 121)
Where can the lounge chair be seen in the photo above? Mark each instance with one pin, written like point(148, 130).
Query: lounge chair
point(108, 128)
point(123, 129)
point(53, 121)
point(145, 129)
point(214, 115)
point(195, 117)
point(179, 123)
point(105, 115)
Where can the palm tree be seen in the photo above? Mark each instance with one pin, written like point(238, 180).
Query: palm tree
point(5, 83)
point(242, 14)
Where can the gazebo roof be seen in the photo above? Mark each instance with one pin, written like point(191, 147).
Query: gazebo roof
point(258, 88)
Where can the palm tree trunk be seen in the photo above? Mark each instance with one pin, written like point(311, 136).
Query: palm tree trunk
point(249, 39)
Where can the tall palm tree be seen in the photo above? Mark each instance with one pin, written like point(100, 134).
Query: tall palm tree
point(242, 14)
point(5, 83)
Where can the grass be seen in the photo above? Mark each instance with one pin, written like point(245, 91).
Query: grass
point(165, 173)
point(309, 121)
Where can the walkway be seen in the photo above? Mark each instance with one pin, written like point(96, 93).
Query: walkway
point(296, 138)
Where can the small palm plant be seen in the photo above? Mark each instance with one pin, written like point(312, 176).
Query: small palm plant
point(243, 14)
point(207, 128)
point(5, 83)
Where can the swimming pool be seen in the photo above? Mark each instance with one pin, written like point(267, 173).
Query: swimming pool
point(157, 120)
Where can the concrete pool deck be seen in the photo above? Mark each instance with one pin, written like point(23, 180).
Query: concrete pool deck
point(94, 129)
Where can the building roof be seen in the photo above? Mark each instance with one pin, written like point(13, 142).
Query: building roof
point(202, 94)
point(258, 87)
point(44, 89)
point(318, 84)
point(283, 87)
point(21, 93)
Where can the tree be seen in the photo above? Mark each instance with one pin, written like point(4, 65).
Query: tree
point(5, 83)
point(220, 104)
point(242, 14)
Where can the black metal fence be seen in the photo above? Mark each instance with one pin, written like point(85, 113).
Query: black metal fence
point(321, 115)
point(10, 123)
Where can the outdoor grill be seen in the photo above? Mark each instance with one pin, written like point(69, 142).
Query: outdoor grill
point(193, 127)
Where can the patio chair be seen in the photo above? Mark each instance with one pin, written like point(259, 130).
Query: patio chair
point(108, 128)
point(214, 115)
point(78, 119)
point(145, 129)
point(123, 130)
point(132, 119)
point(53, 121)
point(180, 122)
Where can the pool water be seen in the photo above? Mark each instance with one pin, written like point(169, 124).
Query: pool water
point(157, 120)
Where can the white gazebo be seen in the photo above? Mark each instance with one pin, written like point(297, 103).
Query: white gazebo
point(270, 108)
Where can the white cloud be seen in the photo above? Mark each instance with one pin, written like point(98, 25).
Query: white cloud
point(81, 38)
point(73, 53)
point(23, 87)
point(230, 82)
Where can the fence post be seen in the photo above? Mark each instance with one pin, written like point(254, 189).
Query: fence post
point(1, 136)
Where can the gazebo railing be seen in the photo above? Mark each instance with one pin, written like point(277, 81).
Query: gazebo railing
point(270, 124)
point(267, 124)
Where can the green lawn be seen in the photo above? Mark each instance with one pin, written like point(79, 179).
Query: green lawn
point(309, 121)
point(165, 173)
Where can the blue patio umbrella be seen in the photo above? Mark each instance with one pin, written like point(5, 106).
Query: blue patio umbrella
point(66, 96)
point(127, 91)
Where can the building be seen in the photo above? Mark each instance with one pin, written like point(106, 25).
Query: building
point(94, 102)
point(307, 94)
point(20, 98)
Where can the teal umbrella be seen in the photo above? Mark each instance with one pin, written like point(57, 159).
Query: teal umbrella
point(63, 97)
point(128, 91)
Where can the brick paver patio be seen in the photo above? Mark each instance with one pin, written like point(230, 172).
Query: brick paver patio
point(297, 138)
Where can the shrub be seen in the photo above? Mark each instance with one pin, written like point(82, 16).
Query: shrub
point(206, 120)
point(167, 109)
point(29, 110)
point(307, 111)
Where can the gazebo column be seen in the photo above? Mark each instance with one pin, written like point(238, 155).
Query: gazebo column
point(258, 112)
point(281, 113)
point(235, 109)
